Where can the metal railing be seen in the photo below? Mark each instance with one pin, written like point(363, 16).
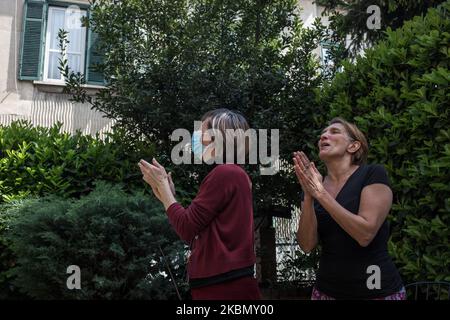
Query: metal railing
point(429, 290)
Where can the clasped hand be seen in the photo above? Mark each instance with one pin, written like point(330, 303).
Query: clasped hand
point(308, 176)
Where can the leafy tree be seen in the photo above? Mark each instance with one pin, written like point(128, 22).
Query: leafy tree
point(167, 62)
point(350, 17)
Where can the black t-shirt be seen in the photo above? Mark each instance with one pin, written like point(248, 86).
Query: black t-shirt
point(343, 267)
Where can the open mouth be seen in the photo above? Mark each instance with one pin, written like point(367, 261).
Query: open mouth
point(324, 144)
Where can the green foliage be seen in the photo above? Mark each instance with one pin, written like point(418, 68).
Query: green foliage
point(35, 161)
point(299, 267)
point(398, 95)
point(425, 254)
point(75, 80)
point(115, 238)
point(350, 18)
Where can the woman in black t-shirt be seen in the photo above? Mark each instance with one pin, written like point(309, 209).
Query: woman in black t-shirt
point(346, 211)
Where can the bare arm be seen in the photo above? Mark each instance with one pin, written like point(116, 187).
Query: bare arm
point(307, 236)
point(375, 203)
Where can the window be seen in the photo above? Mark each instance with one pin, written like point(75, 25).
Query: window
point(325, 56)
point(40, 52)
point(69, 20)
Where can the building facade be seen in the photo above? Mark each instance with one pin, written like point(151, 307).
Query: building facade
point(30, 82)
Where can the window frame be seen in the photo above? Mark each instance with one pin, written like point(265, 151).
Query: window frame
point(46, 46)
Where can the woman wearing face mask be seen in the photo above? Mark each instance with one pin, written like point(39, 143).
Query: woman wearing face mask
point(346, 211)
point(218, 224)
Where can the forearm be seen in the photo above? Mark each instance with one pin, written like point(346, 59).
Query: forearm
point(356, 226)
point(167, 197)
point(307, 226)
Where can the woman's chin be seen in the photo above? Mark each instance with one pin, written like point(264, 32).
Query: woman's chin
point(323, 154)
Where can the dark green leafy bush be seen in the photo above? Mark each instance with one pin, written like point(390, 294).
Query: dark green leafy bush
point(115, 238)
point(398, 94)
point(35, 161)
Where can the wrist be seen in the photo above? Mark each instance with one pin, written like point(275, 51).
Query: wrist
point(307, 197)
point(321, 195)
point(167, 196)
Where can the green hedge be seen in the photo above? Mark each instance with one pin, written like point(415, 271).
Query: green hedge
point(398, 94)
point(115, 239)
point(35, 161)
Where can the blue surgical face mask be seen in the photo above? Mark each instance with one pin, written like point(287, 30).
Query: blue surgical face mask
point(197, 146)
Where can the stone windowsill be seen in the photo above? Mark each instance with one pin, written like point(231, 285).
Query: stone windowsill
point(57, 87)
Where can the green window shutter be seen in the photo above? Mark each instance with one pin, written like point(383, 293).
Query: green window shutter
point(32, 40)
point(94, 57)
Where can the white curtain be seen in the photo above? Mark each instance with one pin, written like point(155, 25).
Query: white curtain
point(55, 22)
point(77, 38)
point(70, 21)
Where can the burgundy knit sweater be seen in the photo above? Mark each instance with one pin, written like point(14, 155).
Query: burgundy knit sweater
point(218, 224)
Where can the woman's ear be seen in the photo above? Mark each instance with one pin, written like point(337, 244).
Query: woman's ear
point(354, 146)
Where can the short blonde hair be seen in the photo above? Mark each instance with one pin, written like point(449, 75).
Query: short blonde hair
point(360, 156)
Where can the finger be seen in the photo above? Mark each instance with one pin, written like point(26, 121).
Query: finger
point(305, 159)
point(314, 168)
point(149, 180)
point(156, 164)
point(302, 178)
point(142, 168)
point(301, 164)
point(154, 172)
point(297, 157)
point(303, 184)
point(144, 163)
point(154, 178)
point(306, 178)
point(161, 170)
point(155, 191)
point(149, 174)
point(148, 170)
point(297, 171)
